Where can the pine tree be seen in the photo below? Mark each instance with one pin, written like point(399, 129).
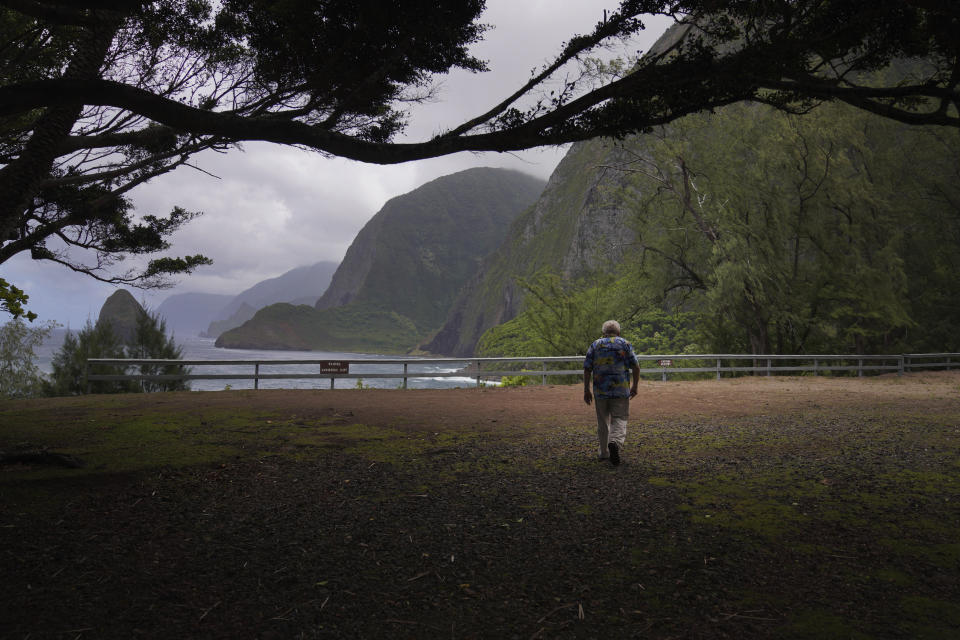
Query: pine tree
point(70, 362)
point(99, 340)
point(152, 342)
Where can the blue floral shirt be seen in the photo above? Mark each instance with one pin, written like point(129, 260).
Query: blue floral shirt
point(610, 360)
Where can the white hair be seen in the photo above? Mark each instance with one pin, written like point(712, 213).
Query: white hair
point(611, 328)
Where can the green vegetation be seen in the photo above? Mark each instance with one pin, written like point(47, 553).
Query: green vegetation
point(753, 231)
point(561, 319)
point(287, 326)
point(70, 361)
point(148, 341)
point(537, 241)
point(151, 342)
point(801, 234)
point(124, 330)
point(12, 300)
point(116, 435)
point(19, 375)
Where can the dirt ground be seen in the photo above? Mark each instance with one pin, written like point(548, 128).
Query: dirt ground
point(470, 408)
point(745, 508)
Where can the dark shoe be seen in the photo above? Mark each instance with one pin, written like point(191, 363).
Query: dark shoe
point(614, 453)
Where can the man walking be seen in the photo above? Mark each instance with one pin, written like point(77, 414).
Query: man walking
point(609, 361)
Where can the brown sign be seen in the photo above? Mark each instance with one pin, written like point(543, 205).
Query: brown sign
point(664, 363)
point(334, 366)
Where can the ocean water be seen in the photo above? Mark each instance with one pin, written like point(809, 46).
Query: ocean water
point(197, 348)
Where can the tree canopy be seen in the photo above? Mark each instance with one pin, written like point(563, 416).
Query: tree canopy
point(756, 231)
point(98, 97)
point(801, 234)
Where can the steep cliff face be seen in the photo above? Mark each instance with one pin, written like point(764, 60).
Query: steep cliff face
point(413, 257)
point(405, 268)
point(594, 211)
point(350, 277)
point(576, 227)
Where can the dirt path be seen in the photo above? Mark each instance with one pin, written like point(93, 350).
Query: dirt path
point(543, 405)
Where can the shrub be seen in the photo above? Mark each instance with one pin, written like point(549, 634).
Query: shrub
point(19, 375)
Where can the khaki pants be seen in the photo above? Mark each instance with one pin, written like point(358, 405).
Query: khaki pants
point(612, 414)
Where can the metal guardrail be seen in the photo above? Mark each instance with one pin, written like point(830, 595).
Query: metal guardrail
point(494, 368)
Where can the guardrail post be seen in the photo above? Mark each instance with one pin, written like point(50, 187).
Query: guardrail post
point(256, 375)
point(405, 364)
point(860, 368)
point(718, 368)
point(814, 367)
point(900, 363)
point(477, 363)
point(543, 378)
point(769, 364)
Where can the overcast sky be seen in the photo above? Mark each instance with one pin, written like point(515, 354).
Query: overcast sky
point(272, 208)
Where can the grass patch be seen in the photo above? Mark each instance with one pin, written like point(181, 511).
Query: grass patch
point(114, 434)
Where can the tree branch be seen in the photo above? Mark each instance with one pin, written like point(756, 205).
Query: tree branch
point(68, 14)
